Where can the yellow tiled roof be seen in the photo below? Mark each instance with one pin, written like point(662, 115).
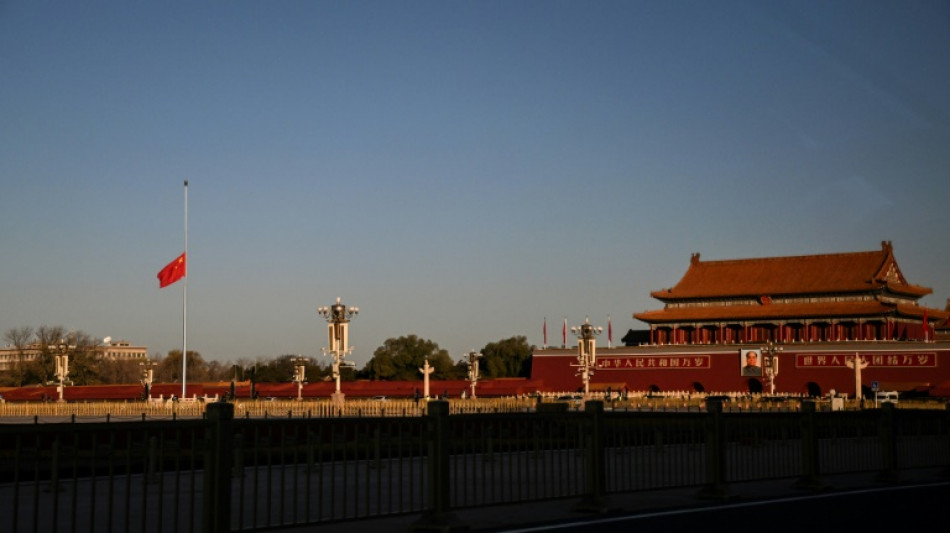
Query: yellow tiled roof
point(763, 280)
point(853, 272)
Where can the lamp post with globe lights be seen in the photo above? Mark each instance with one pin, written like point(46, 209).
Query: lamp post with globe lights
point(148, 375)
point(473, 369)
point(586, 351)
point(62, 367)
point(770, 363)
point(338, 317)
point(300, 374)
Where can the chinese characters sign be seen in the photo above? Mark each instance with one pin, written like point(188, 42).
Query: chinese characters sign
point(892, 360)
point(655, 362)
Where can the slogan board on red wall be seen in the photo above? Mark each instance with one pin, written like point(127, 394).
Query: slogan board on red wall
point(885, 360)
point(655, 362)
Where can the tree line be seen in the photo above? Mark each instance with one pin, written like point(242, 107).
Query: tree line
point(398, 359)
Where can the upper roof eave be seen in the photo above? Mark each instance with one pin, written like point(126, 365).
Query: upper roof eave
point(840, 273)
point(909, 289)
point(764, 312)
point(727, 313)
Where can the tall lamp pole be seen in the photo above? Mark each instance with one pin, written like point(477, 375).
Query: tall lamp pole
point(473, 369)
point(586, 351)
point(62, 367)
point(300, 374)
point(770, 364)
point(148, 376)
point(338, 316)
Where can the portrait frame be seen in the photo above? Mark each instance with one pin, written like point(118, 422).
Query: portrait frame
point(750, 363)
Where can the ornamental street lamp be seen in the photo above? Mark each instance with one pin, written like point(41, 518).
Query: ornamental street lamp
point(338, 317)
point(300, 374)
point(586, 351)
point(62, 367)
point(148, 375)
point(473, 369)
point(770, 364)
point(250, 374)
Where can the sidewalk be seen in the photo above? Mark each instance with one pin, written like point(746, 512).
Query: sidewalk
point(552, 511)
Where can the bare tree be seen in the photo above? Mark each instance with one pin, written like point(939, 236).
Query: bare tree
point(84, 363)
point(50, 335)
point(19, 338)
point(120, 371)
point(50, 339)
point(218, 371)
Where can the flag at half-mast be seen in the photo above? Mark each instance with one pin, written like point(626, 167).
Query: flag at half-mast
point(172, 272)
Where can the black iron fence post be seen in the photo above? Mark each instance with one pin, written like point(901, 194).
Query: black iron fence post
point(715, 487)
point(811, 468)
point(151, 472)
point(946, 471)
point(216, 508)
point(595, 500)
point(887, 432)
point(438, 517)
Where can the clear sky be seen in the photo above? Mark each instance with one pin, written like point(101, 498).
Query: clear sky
point(458, 170)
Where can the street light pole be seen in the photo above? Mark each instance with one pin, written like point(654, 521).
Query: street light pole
point(473, 369)
point(250, 375)
point(300, 374)
point(770, 364)
point(62, 367)
point(586, 351)
point(338, 316)
point(148, 375)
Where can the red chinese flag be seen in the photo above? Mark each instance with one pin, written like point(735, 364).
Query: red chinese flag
point(172, 272)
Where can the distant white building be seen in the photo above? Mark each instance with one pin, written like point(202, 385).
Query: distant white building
point(111, 350)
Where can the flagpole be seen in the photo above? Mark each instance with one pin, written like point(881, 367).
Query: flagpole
point(610, 333)
point(184, 307)
point(545, 331)
point(564, 334)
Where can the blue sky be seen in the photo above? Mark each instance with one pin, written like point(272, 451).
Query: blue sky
point(458, 170)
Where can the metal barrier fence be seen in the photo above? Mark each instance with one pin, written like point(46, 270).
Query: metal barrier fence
point(228, 472)
point(19, 412)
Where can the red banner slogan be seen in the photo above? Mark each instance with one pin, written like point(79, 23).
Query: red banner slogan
point(882, 360)
point(653, 362)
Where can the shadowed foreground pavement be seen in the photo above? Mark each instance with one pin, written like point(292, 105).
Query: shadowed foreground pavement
point(503, 517)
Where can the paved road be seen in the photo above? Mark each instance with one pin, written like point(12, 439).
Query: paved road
point(893, 508)
point(852, 502)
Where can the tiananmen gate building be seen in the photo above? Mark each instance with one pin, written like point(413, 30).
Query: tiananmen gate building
point(818, 311)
